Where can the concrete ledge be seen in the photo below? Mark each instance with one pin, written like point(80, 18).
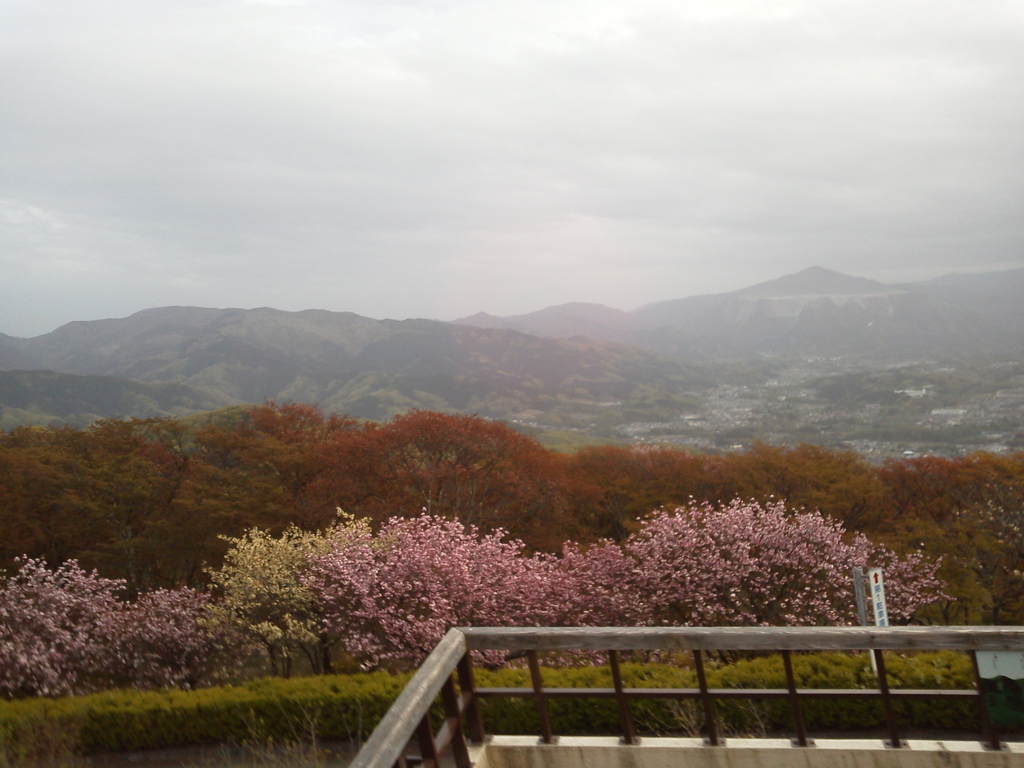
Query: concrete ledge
point(608, 752)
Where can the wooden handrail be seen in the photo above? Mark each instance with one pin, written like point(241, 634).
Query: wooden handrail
point(745, 638)
point(409, 715)
point(388, 740)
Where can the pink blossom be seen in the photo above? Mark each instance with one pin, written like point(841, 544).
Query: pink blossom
point(64, 631)
point(393, 598)
point(748, 564)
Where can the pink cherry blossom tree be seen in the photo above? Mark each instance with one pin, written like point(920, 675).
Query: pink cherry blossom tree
point(393, 598)
point(748, 564)
point(54, 627)
point(165, 639)
point(64, 631)
point(389, 598)
point(592, 586)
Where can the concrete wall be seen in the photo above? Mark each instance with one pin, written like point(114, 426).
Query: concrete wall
point(607, 752)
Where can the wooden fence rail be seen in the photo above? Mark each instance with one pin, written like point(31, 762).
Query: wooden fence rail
point(463, 725)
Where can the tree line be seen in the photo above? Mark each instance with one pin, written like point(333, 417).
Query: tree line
point(353, 598)
point(150, 501)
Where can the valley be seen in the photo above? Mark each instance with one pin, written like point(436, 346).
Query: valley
point(816, 357)
point(903, 409)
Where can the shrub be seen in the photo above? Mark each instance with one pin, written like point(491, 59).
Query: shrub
point(273, 710)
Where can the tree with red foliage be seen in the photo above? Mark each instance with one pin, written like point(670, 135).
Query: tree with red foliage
point(841, 484)
point(480, 472)
point(38, 515)
point(970, 511)
point(613, 487)
point(108, 495)
point(284, 463)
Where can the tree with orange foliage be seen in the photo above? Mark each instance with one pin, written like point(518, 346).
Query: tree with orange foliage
point(612, 487)
point(38, 515)
point(108, 495)
point(932, 488)
point(481, 472)
point(969, 511)
point(841, 484)
point(284, 463)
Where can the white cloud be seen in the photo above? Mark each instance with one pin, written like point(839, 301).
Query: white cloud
point(437, 158)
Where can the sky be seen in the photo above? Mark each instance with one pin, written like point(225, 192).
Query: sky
point(436, 158)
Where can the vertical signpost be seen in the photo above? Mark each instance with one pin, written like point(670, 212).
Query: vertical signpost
point(858, 593)
point(877, 587)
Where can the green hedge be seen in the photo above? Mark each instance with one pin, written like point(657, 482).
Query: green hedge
point(924, 670)
point(273, 710)
point(265, 710)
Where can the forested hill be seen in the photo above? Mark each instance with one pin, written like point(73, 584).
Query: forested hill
point(931, 367)
point(44, 397)
point(345, 362)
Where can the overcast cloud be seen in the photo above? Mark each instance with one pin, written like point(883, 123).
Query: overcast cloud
point(434, 159)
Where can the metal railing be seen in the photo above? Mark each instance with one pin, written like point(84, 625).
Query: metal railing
point(463, 725)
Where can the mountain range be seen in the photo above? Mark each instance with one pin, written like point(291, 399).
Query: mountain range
point(571, 364)
point(341, 361)
point(813, 312)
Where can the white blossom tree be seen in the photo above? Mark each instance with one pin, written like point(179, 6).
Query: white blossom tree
point(262, 592)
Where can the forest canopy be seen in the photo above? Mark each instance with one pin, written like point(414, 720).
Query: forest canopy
point(150, 501)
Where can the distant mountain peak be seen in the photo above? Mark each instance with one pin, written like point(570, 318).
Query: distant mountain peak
point(1009, 282)
point(576, 318)
point(818, 281)
point(583, 308)
point(482, 320)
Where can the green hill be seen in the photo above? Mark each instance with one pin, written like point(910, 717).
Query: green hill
point(370, 368)
point(48, 398)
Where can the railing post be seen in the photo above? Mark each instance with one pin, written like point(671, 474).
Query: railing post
point(986, 723)
point(794, 700)
point(410, 712)
point(474, 720)
point(883, 686)
point(705, 698)
point(628, 734)
point(428, 748)
point(453, 718)
point(538, 695)
point(408, 718)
